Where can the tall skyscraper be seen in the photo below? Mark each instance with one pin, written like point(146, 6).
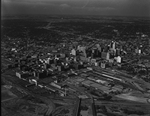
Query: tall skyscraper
point(113, 45)
point(149, 42)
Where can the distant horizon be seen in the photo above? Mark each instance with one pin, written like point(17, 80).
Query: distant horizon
point(73, 15)
point(127, 8)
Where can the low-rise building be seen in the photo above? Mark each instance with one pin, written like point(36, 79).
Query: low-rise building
point(105, 55)
point(22, 75)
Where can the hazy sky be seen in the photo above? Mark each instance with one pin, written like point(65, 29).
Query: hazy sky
point(81, 7)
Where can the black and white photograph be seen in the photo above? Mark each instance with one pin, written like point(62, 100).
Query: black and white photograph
point(75, 57)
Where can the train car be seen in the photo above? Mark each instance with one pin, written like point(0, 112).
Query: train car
point(112, 77)
point(55, 85)
point(50, 88)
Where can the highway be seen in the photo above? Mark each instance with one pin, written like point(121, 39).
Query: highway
point(133, 98)
point(133, 103)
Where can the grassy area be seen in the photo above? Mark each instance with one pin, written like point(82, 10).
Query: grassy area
point(7, 95)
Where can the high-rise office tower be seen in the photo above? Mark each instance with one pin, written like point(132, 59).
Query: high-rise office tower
point(113, 45)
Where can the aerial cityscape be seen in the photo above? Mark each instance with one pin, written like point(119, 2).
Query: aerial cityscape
point(74, 65)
